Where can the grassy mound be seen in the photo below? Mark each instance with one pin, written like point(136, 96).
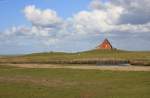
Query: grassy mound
point(93, 56)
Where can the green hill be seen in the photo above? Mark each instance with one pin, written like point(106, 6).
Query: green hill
point(54, 57)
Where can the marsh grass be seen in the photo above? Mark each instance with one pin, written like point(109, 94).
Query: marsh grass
point(71, 83)
point(87, 57)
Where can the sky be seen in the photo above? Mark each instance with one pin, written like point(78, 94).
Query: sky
point(29, 26)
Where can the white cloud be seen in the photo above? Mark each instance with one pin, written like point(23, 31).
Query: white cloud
point(96, 4)
point(121, 15)
point(97, 21)
point(135, 11)
point(40, 17)
point(129, 28)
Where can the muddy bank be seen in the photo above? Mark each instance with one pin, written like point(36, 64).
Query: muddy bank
point(85, 67)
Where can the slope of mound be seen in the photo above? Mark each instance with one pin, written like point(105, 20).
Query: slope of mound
point(92, 55)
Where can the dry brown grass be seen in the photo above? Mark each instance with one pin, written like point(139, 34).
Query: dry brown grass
point(85, 67)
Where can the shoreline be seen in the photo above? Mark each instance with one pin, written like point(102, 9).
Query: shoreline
point(85, 67)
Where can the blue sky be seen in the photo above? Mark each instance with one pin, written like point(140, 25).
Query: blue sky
point(29, 26)
point(13, 9)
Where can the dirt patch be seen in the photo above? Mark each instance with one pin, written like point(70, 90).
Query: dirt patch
point(85, 67)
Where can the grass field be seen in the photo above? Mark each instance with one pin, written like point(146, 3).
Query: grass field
point(80, 56)
point(72, 83)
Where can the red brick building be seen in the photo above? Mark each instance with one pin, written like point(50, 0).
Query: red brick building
point(105, 45)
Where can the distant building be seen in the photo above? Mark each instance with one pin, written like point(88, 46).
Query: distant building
point(105, 45)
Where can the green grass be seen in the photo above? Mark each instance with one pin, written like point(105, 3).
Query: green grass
point(69, 83)
point(93, 54)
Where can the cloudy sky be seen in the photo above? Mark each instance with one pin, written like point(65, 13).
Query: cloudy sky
point(28, 26)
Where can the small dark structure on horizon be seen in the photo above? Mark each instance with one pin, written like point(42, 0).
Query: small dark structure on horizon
point(105, 45)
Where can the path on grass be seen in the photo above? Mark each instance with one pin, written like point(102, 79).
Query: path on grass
point(85, 67)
